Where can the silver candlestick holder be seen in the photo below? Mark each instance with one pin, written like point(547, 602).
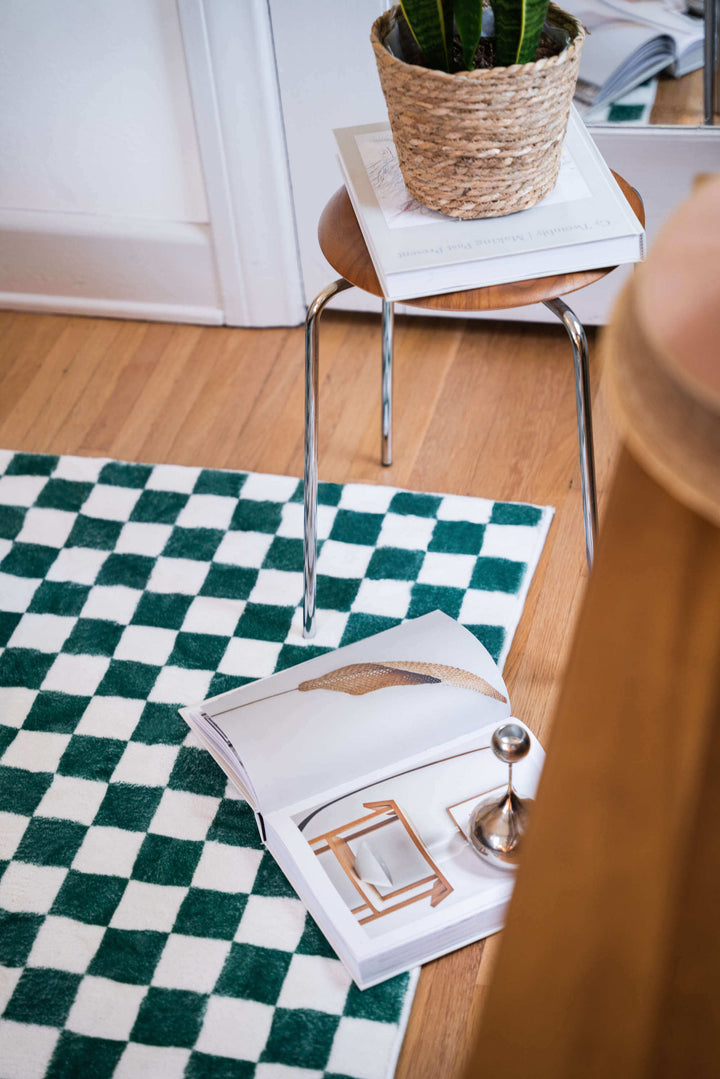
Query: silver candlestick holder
point(497, 826)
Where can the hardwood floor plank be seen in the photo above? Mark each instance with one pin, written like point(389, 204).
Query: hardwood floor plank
point(40, 409)
point(126, 382)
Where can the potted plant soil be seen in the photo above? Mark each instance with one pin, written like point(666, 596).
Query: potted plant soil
point(478, 99)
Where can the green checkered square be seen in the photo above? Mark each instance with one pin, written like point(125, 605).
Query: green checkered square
point(11, 521)
point(53, 711)
point(89, 897)
point(394, 563)
point(195, 771)
point(166, 610)
point(67, 495)
point(285, 553)
point(7, 735)
point(252, 516)
point(497, 575)
point(28, 560)
point(301, 1032)
point(140, 918)
point(127, 955)
point(32, 464)
point(457, 537)
point(352, 527)
point(203, 1066)
point(78, 1054)
point(413, 504)
point(43, 996)
point(122, 474)
point(263, 622)
point(128, 678)
point(515, 513)
point(50, 842)
point(361, 625)
point(198, 543)
point(203, 651)
point(337, 593)
point(229, 582)
point(292, 654)
point(90, 757)
point(158, 507)
point(17, 935)
point(93, 637)
point(171, 1017)
point(381, 1003)
point(165, 860)
point(211, 481)
point(313, 941)
point(24, 667)
point(21, 791)
point(59, 597)
point(130, 570)
point(253, 973)
point(206, 913)
point(128, 806)
point(8, 622)
point(234, 823)
point(160, 724)
point(94, 532)
point(432, 597)
point(270, 879)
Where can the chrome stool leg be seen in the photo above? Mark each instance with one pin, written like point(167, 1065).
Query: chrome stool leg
point(311, 452)
point(576, 333)
point(388, 316)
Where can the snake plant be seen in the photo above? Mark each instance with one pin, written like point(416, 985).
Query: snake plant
point(518, 25)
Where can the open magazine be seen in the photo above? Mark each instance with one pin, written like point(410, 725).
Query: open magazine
point(630, 41)
point(363, 767)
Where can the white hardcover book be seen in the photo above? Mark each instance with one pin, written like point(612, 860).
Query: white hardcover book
point(363, 767)
point(585, 222)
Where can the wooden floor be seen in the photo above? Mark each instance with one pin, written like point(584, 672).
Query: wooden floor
point(481, 408)
point(680, 101)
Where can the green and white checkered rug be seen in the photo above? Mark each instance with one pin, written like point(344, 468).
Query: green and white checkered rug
point(143, 930)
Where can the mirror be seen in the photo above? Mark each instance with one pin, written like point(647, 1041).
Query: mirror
point(648, 62)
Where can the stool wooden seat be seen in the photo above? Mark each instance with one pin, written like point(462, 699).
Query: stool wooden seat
point(344, 248)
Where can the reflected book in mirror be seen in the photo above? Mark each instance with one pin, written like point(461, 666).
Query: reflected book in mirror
point(363, 767)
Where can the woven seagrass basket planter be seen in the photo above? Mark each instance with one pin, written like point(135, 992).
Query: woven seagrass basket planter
point(480, 143)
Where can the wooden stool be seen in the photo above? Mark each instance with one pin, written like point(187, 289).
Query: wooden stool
point(343, 246)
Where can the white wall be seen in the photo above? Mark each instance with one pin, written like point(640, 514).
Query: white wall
point(328, 78)
point(96, 115)
point(98, 144)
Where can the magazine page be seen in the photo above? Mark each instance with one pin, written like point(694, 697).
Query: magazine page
point(359, 710)
point(660, 16)
point(390, 863)
point(616, 57)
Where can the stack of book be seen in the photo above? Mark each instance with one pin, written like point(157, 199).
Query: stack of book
point(585, 223)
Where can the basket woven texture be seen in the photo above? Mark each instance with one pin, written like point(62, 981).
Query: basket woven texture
point(479, 143)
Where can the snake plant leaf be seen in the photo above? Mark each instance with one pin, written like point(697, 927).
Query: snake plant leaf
point(468, 20)
point(518, 25)
point(430, 22)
